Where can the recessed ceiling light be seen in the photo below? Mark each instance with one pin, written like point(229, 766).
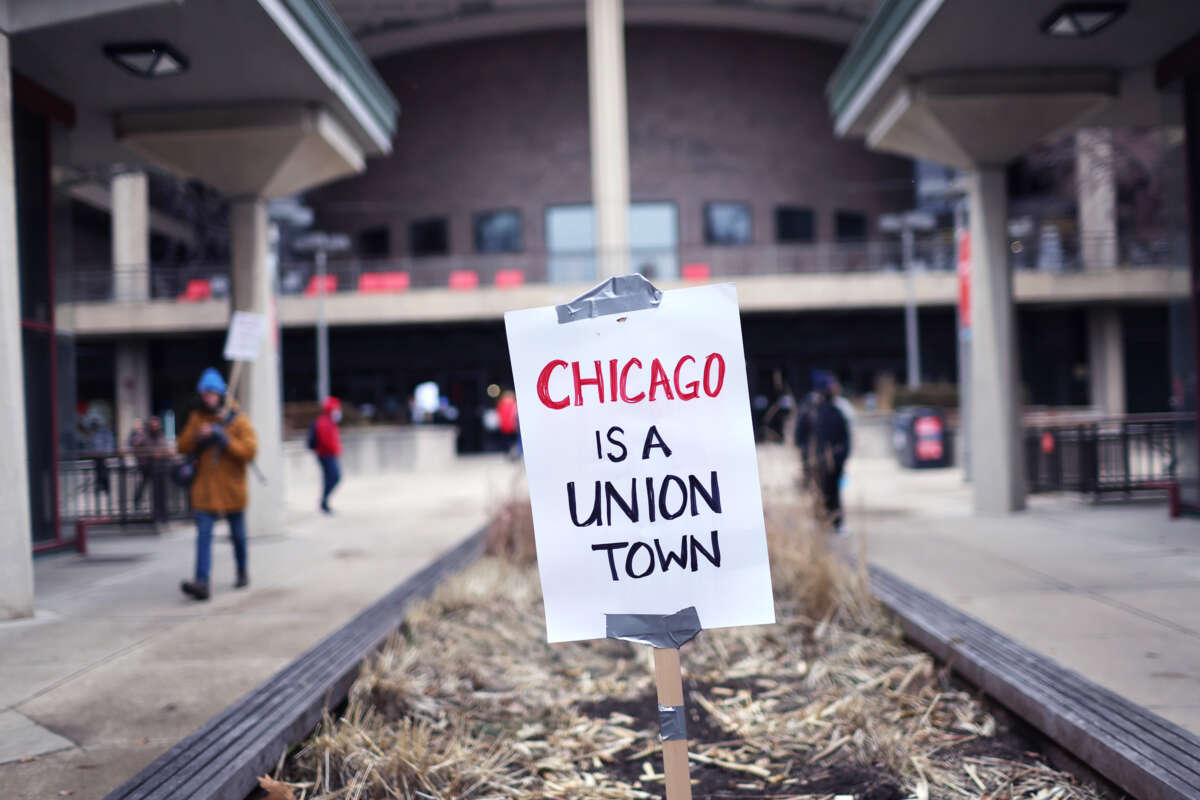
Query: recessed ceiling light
point(147, 59)
point(1077, 20)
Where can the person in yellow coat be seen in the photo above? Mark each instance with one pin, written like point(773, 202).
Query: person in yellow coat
point(222, 444)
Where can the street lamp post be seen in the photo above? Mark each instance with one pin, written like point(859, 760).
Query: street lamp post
point(907, 224)
point(320, 244)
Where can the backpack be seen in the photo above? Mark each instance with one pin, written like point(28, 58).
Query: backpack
point(312, 436)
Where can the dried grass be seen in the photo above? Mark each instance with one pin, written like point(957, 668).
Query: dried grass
point(471, 702)
point(510, 533)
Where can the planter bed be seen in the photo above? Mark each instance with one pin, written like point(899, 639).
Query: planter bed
point(468, 701)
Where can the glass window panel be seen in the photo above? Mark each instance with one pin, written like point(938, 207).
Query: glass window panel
point(850, 226)
point(794, 224)
point(375, 242)
point(498, 231)
point(571, 242)
point(653, 237)
point(727, 223)
point(429, 237)
point(653, 240)
point(653, 225)
point(32, 171)
point(570, 229)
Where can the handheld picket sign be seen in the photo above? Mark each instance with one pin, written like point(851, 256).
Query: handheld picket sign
point(244, 340)
point(243, 343)
point(642, 472)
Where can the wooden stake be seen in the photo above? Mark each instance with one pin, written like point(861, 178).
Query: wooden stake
point(235, 376)
point(669, 679)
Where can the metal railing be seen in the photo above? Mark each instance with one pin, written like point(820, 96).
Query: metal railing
point(1048, 250)
point(932, 253)
point(1117, 456)
point(695, 262)
point(121, 488)
point(132, 283)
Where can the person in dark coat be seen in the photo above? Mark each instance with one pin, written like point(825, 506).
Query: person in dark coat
point(824, 441)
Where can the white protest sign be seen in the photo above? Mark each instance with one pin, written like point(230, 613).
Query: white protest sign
point(640, 458)
point(244, 341)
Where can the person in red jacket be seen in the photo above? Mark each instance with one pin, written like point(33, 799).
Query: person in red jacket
point(326, 441)
point(508, 424)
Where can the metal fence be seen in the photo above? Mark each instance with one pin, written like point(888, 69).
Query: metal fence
point(120, 488)
point(1049, 250)
point(935, 252)
point(140, 282)
point(1102, 458)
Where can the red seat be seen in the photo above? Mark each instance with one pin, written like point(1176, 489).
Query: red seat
point(509, 278)
point(462, 279)
point(383, 282)
point(696, 272)
point(314, 285)
point(197, 289)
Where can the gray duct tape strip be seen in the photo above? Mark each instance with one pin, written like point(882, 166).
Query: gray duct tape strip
point(615, 296)
point(672, 723)
point(657, 630)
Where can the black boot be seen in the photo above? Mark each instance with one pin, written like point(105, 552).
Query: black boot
point(195, 590)
point(243, 580)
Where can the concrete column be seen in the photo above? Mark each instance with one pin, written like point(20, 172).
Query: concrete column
point(133, 386)
point(1096, 194)
point(997, 468)
point(609, 135)
point(16, 559)
point(254, 290)
point(131, 236)
point(1106, 360)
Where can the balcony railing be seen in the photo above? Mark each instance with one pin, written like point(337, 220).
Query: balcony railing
point(186, 284)
point(466, 272)
point(1049, 251)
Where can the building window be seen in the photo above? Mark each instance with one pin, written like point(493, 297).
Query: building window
point(849, 226)
point(375, 242)
point(498, 231)
point(654, 240)
point(429, 237)
point(727, 223)
point(794, 224)
point(570, 243)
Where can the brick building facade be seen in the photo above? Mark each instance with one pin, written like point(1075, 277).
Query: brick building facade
point(713, 116)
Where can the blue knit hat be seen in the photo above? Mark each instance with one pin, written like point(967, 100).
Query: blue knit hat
point(821, 379)
point(211, 381)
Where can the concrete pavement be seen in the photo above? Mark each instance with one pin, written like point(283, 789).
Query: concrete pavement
point(117, 665)
point(1111, 591)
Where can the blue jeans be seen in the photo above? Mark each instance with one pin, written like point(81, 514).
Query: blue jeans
point(331, 473)
point(204, 529)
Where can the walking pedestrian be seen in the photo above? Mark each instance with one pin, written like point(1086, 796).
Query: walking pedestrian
point(508, 423)
point(325, 440)
point(103, 443)
point(222, 443)
point(824, 440)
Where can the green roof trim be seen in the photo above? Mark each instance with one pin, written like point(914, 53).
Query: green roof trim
point(330, 35)
point(866, 52)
